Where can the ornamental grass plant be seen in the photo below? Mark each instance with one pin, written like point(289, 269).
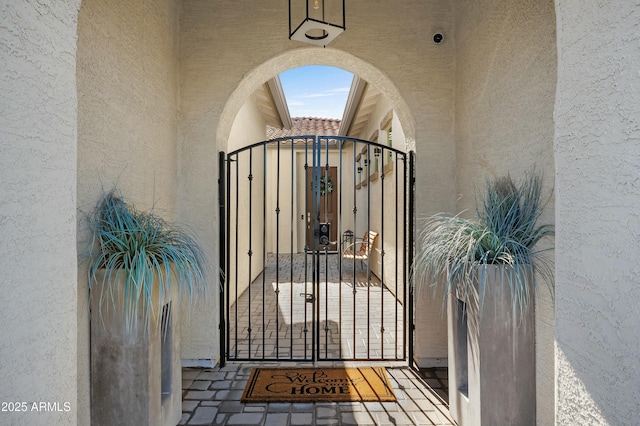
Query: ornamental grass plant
point(136, 258)
point(455, 251)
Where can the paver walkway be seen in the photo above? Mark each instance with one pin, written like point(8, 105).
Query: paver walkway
point(212, 397)
point(359, 319)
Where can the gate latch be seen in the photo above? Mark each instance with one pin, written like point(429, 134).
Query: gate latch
point(308, 297)
point(322, 233)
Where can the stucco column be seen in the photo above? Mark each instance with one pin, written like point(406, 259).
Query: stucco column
point(38, 141)
point(597, 146)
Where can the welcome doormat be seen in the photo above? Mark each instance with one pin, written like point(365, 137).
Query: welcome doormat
point(318, 384)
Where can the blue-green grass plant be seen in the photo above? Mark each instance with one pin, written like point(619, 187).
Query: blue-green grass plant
point(144, 254)
point(455, 251)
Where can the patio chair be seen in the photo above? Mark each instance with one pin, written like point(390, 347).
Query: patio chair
point(364, 248)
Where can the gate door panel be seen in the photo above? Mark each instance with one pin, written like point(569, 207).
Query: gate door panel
point(316, 250)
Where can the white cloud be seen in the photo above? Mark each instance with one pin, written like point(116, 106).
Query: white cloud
point(326, 93)
point(317, 95)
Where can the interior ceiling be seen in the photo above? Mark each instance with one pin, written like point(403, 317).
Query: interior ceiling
point(266, 105)
point(365, 107)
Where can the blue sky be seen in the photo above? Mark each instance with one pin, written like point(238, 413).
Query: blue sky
point(316, 91)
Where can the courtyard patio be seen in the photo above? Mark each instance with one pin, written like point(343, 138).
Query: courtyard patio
point(354, 308)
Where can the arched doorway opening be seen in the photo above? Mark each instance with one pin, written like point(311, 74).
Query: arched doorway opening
point(300, 57)
point(297, 287)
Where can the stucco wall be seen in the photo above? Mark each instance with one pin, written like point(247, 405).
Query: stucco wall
point(37, 211)
point(127, 116)
point(221, 66)
point(248, 128)
point(596, 155)
point(598, 190)
point(372, 195)
point(505, 88)
point(283, 230)
point(126, 73)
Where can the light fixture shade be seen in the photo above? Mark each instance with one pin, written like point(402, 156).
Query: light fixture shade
point(316, 22)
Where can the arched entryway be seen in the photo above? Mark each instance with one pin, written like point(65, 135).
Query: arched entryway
point(301, 57)
point(255, 212)
point(316, 249)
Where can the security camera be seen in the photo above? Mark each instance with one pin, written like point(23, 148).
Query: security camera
point(438, 38)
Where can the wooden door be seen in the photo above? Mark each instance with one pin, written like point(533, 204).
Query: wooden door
point(328, 205)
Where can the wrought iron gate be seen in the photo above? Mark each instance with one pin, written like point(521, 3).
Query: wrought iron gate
point(316, 242)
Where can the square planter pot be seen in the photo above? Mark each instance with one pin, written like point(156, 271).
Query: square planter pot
point(491, 355)
point(136, 377)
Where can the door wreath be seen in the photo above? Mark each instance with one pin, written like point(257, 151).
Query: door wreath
point(326, 185)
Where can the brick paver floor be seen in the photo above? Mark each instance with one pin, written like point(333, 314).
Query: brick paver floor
point(360, 320)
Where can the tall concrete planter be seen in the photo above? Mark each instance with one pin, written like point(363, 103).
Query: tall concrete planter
point(485, 266)
point(491, 353)
point(139, 267)
point(135, 376)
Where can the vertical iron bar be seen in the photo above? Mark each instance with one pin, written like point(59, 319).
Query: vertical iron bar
point(326, 302)
point(326, 254)
point(289, 19)
point(344, 15)
point(319, 205)
point(236, 250)
point(316, 245)
point(370, 252)
point(291, 244)
point(340, 248)
point(410, 253)
point(223, 251)
point(355, 229)
point(228, 268)
point(277, 291)
point(382, 241)
point(264, 244)
point(250, 253)
point(395, 172)
point(306, 247)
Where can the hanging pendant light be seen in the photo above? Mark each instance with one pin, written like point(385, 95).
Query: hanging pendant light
point(316, 22)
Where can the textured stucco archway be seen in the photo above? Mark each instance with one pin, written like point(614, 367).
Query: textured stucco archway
point(301, 57)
